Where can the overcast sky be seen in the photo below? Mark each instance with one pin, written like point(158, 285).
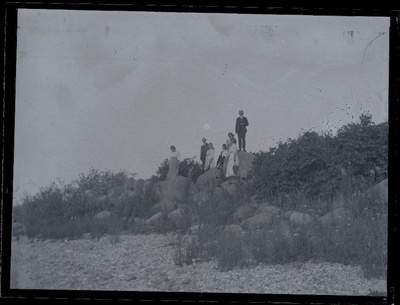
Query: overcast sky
point(114, 90)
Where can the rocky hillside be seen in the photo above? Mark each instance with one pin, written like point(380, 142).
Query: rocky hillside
point(178, 201)
point(226, 220)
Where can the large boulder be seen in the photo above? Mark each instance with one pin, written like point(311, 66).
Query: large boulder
point(230, 187)
point(210, 179)
point(156, 208)
point(265, 207)
point(380, 190)
point(243, 212)
point(165, 206)
point(283, 228)
point(300, 218)
point(218, 194)
point(245, 163)
point(156, 219)
point(103, 215)
point(259, 221)
point(192, 189)
point(234, 230)
point(103, 199)
point(337, 216)
point(174, 188)
point(286, 215)
point(176, 217)
point(202, 196)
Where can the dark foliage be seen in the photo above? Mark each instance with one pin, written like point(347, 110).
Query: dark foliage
point(321, 165)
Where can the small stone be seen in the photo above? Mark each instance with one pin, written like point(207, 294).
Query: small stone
point(186, 281)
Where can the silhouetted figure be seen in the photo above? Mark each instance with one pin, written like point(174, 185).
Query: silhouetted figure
point(241, 130)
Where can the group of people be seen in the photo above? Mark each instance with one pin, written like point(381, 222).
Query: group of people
point(227, 160)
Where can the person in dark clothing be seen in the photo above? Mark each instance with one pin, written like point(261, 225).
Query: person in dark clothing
point(203, 152)
point(241, 130)
point(223, 156)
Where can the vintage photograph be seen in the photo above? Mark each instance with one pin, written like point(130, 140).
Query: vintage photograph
point(200, 152)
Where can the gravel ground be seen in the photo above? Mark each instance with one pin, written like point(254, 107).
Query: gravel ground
point(145, 263)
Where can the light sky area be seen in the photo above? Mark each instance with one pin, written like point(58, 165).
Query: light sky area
point(114, 90)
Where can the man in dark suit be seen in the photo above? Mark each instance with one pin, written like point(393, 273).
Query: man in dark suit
point(241, 124)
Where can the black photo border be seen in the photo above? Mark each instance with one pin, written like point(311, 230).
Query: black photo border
point(9, 21)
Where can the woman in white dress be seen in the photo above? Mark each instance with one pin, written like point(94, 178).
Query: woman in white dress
point(210, 157)
point(229, 140)
point(173, 163)
point(233, 159)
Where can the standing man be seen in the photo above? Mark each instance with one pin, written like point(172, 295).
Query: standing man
point(203, 152)
point(241, 124)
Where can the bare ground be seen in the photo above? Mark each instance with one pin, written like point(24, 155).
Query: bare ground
point(145, 263)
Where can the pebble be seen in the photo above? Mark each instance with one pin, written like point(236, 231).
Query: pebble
point(146, 263)
point(186, 281)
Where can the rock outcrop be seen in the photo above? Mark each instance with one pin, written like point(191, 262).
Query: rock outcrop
point(176, 188)
point(245, 163)
point(336, 217)
point(263, 220)
point(210, 179)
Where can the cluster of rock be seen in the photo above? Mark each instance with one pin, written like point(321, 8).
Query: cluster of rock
point(176, 195)
point(173, 196)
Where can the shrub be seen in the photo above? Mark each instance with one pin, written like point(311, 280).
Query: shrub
point(361, 241)
point(321, 165)
point(190, 169)
point(214, 212)
point(187, 250)
point(100, 181)
point(63, 211)
point(231, 251)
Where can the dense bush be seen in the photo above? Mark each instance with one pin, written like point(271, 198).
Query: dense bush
point(66, 210)
point(321, 165)
point(362, 240)
point(100, 181)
